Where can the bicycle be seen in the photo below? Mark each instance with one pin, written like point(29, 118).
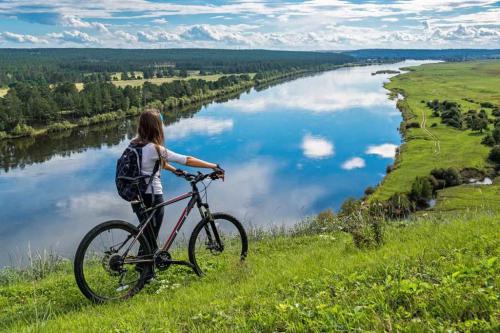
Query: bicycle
point(119, 269)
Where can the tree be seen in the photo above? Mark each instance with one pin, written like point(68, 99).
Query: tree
point(495, 154)
point(421, 190)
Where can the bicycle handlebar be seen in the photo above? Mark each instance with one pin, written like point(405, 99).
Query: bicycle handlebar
point(200, 176)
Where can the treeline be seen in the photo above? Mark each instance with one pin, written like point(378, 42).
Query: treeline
point(28, 106)
point(45, 66)
point(420, 54)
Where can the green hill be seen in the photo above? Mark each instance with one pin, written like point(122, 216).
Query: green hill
point(430, 274)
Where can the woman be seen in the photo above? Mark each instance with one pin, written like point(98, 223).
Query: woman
point(150, 136)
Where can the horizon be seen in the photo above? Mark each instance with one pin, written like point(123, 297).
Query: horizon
point(315, 25)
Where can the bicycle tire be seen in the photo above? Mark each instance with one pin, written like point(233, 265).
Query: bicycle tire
point(82, 249)
point(200, 226)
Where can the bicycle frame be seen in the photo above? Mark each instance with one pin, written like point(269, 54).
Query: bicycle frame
point(195, 200)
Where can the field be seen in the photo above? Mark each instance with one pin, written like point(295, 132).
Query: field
point(135, 83)
point(442, 146)
point(433, 274)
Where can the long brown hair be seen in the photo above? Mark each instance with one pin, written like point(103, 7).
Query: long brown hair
point(150, 129)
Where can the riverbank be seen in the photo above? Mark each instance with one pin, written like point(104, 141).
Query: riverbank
point(429, 144)
point(170, 103)
point(296, 283)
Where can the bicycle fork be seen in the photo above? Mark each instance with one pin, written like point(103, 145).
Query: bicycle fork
point(218, 245)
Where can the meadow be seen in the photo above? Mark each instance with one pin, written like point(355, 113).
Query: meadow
point(437, 273)
point(436, 145)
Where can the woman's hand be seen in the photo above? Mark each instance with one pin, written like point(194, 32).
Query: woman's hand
point(179, 172)
point(219, 172)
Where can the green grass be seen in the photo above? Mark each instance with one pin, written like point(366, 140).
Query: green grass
point(435, 274)
point(478, 81)
point(468, 197)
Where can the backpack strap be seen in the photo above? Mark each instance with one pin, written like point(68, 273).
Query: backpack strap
point(155, 169)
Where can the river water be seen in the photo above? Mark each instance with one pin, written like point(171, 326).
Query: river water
point(289, 151)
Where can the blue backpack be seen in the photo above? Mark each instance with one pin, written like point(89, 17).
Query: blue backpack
point(130, 183)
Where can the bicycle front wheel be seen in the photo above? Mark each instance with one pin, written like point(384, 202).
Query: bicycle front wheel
point(217, 243)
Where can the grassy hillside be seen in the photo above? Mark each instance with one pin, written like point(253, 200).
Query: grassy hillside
point(436, 145)
point(432, 274)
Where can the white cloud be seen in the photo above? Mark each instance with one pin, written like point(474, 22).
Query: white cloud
point(125, 36)
point(199, 125)
point(386, 150)
point(354, 163)
point(74, 36)
point(157, 36)
point(160, 21)
point(313, 24)
point(76, 22)
point(316, 147)
point(21, 38)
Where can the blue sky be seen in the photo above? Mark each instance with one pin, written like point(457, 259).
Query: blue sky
point(270, 24)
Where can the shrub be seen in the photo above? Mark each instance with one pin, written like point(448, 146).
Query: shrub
point(3, 135)
point(488, 140)
point(23, 130)
point(450, 176)
point(495, 154)
point(496, 134)
point(421, 191)
point(399, 206)
point(389, 169)
point(349, 206)
point(434, 125)
point(369, 191)
point(496, 112)
point(61, 126)
point(413, 125)
point(487, 105)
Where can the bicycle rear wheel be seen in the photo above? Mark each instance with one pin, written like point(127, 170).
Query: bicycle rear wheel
point(104, 271)
point(217, 243)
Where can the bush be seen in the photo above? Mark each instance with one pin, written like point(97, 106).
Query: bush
point(496, 112)
point(23, 130)
point(399, 206)
point(434, 125)
point(450, 176)
point(413, 125)
point(369, 191)
point(389, 169)
point(496, 134)
point(349, 206)
point(487, 105)
point(61, 126)
point(3, 135)
point(421, 191)
point(488, 140)
point(495, 154)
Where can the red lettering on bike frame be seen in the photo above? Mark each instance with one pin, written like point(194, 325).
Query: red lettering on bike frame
point(176, 230)
point(182, 218)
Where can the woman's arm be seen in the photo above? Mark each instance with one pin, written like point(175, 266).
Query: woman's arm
point(195, 162)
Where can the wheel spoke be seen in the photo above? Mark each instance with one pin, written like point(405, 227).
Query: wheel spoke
point(218, 244)
point(105, 273)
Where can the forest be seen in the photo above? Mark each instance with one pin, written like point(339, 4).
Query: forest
point(75, 65)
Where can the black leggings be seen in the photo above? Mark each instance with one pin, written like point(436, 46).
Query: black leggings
point(153, 229)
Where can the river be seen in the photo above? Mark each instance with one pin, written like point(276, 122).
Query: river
point(289, 151)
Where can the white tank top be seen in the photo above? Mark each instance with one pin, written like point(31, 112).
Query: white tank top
point(149, 158)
